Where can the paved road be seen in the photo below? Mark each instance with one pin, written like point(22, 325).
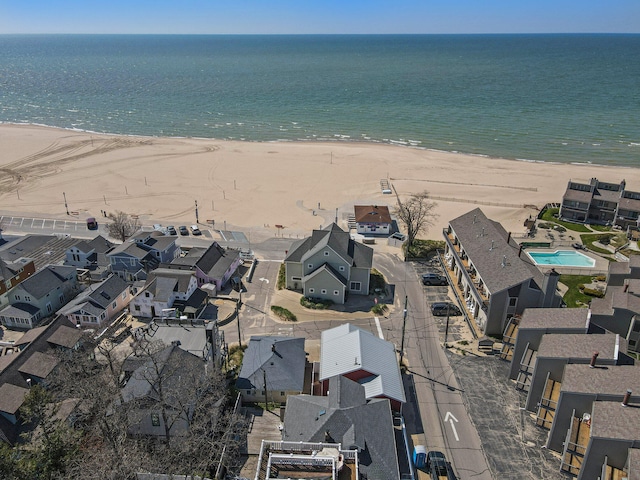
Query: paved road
point(442, 421)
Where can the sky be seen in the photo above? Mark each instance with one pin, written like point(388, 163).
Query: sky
point(319, 16)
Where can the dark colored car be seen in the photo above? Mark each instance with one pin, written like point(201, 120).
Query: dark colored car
point(171, 230)
point(92, 223)
point(442, 309)
point(434, 279)
point(183, 230)
point(578, 246)
point(437, 464)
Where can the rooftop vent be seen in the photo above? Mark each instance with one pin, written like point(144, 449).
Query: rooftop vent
point(627, 397)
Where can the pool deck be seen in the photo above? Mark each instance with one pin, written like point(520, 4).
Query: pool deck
point(601, 265)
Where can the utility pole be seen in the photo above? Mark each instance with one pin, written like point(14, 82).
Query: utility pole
point(404, 324)
point(197, 221)
point(238, 316)
point(66, 207)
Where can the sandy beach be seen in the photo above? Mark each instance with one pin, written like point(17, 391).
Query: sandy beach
point(255, 186)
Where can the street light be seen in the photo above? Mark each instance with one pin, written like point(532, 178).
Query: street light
point(65, 203)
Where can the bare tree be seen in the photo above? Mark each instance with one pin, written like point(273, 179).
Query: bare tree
point(417, 214)
point(122, 225)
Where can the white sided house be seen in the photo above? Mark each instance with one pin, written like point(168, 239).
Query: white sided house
point(372, 220)
point(329, 265)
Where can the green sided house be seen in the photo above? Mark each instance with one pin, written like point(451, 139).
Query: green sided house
point(329, 265)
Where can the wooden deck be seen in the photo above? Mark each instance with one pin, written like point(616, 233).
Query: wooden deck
point(523, 381)
point(576, 446)
point(509, 341)
point(548, 404)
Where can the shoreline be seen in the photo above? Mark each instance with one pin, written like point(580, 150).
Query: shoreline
point(253, 186)
point(322, 140)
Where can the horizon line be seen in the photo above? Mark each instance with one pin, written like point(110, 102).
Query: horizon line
point(317, 34)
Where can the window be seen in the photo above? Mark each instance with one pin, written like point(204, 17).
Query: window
point(296, 279)
point(311, 290)
point(136, 308)
point(114, 304)
point(326, 253)
point(341, 268)
point(17, 297)
point(336, 292)
point(636, 326)
point(310, 265)
point(124, 294)
point(355, 286)
point(49, 309)
point(61, 298)
point(133, 262)
point(146, 294)
point(282, 394)
point(248, 392)
point(323, 291)
point(155, 419)
point(513, 301)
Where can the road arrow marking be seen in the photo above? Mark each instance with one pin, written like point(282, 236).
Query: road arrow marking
point(262, 279)
point(450, 418)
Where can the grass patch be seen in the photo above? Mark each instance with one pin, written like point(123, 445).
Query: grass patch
point(550, 215)
point(282, 277)
point(601, 228)
point(423, 248)
point(283, 314)
point(574, 296)
point(235, 356)
point(315, 303)
point(614, 239)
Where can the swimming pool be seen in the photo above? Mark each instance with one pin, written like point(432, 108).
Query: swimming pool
point(563, 258)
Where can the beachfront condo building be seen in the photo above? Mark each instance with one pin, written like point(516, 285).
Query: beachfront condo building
point(601, 203)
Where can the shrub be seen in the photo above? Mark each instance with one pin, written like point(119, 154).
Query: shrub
point(600, 278)
point(283, 314)
point(282, 279)
point(423, 248)
point(592, 292)
point(315, 303)
point(379, 309)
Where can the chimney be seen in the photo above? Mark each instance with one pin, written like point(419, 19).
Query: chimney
point(594, 357)
point(508, 237)
point(627, 396)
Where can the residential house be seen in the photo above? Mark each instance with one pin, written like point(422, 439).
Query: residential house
point(523, 336)
point(346, 417)
point(600, 446)
point(490, 274)
point(168, 291)
point(620, 271)
point(99, 304)
point(39, 296)
point(42, 249)
point(601, 203)
point(619, 311)
point(91, 255)
point(273, 368)
point(360, 356)
point(372, 220)
point(582, 386)
point(329, 265)
point(31, 359)
point(135, 258)
point(162, 386)
point(558, 350)
point(11, 274)
point(214, 264)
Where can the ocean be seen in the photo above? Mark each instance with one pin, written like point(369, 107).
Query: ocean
point(554, 98)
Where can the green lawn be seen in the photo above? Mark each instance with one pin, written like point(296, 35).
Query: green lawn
point(615, 240)
point(548, 216)
point(574, 297)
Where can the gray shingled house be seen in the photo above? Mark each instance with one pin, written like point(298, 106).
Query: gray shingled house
point(496, 280)
point(278, 361)
point(134, 259)
point(39, 296)
point(329, 265)
point(346, 417)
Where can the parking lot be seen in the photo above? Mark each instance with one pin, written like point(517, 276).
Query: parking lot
point(22, 223)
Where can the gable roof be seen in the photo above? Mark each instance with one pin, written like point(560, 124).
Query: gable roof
point(555, 318)
point(145, 379)
point(214, 261)
point(11, 397)
point(43, 249)
point(162, 282)
point(332, 236)
point(64, 336)
point(346, 348)
point(346, 417)
point(581, 346)
point(280, 359)
point(372, 214)
point(46, 280)
point(614, 380)
point(495, 259)
point(97, 297)
point(39, 365)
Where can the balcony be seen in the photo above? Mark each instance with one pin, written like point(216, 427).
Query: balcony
point(576, 444)
point(548, 404)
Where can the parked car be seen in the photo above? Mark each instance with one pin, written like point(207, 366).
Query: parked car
point(195, 230)
point(442, 309)
point(183, 230)
point(171, 230)
point(434, 279)
point(578, 246)
point(92, 223)
point(437, 464)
